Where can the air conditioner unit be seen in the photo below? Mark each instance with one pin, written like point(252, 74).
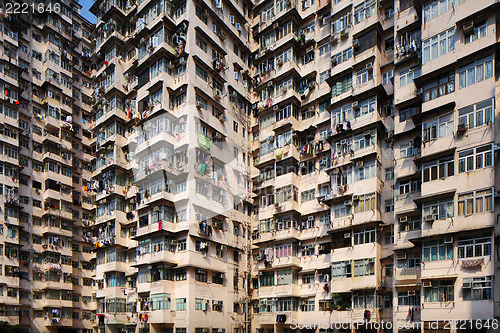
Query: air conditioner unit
point(270, 84)
point(311, 109)
point(223, 247)
point(427, 284)
point(355, 197)
point(343, 142)
point(369, 65)
point(222, 117)
point(401, 256)
point(279, 61)
point(360, 164)
point(430, 218)
point(355, 105)
point(347, 203)
point(403, 219)
point(310, 49)
point(411, 292)
point(355, 44)
point(347, 235)
point(310, 218)
point(448, 240)
point(468, 26)
point(199, 105)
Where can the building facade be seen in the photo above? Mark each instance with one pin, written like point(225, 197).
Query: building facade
point(238, 166)
point(172, 106)
point(46, 276)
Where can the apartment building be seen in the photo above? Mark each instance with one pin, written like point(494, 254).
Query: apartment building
point(382, 207)
point(325, 106)
point(172, 106)
point(445, 147)
point(45, 245)
point(239, 166)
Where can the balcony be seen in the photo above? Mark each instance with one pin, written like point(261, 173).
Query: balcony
point(156, 257)
point(161, 316)
point(406, 94)
point(406, 18)
point(406, 275)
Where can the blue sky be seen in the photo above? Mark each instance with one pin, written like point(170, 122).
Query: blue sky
point(86, 4)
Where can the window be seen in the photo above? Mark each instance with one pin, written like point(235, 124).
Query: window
point(389, 205)
point(343, 56)
point(408, 75)
point(412, 223)
point(342, 114)
point(364, 300)
point(405, 298)
point(324, 49)
point(476, 202)
point(438, 169)
point(437, 8)
point(365, 236)
point(308, 195)
point(340, 210)
point(217, 277)
point(475, 158)
point(366, 106)
point(476, 115)
point(438, 45)
point(267, 279)
point(438, 128)
point(200, 304)
point(476, 72)
point(439, 87)
point(406, 114)
point(308, 278)
point(341, 269)
point(480, 30)
point(368, 170)
point(201, 73)
point(180, 304)
point(285, 276)
point(201, 275)
point(160, 302)
point(389, 173)
point(181, 275)
point(365, 203)
point(439, 209)
point(341, 86)
point(307, 305)
point(474, 246)
point(477, 289)
point(342, 23)
point(439, 291)
point(363, 267)
point(363, 76)
point(324, 76)
point(387, 76)
point(324, 219)
point(441, 249)
point(364, 11)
